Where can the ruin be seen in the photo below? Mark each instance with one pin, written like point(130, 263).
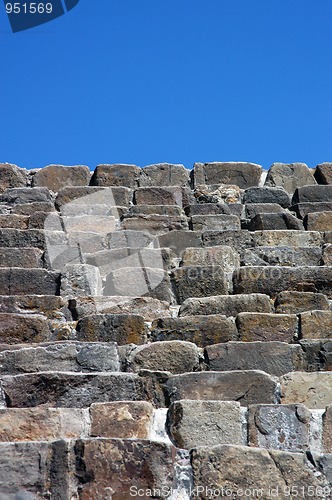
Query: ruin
point(165, 332)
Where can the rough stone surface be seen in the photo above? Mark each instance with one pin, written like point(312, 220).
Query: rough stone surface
point(221, 255)
point(116, 175)
point(91, 195)
point(48, 305)
point(318, 221)
point(252, 209)
point(316, 324)
point(289, 176)
point(158, 196)
point(11, 177)
point(298, 302)
point(217, 193)
point(282, 256)
point(214, 222)
point(16, 281)
point(164, 174)
point(290, 238)
point(198, 281)
point(15, 328)
point(178, 241)
point(245, 386)
point(302, 209)
point(120, 328)
point(312, 194)
point(228, 305)
point(80, 279)
point(242, 174)
point(21, 257)
point(323, 173)
point(327, 255)
point(193, 423)
point(155, 224)
point(275, 358)
point(261, 326)
point(14, 221)
point(312, 389)
point(267, 195)
point(279, 221)
point(55, 177)
point(327, 430)
point(25, 195)
point(238, 240)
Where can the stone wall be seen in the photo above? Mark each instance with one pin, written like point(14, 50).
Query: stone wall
point(166, 333)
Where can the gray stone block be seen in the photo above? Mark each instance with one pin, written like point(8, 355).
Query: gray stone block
point(178, 241)
point(12, 177)
point(241, 174)
point(282, 256)
point(221, 255)
point(279, 221)
point(80, 280)
point(16, 196)
point(252, 209)
point(119, 328)
point(116, 175)
point(214, 223)
point(312, 194)
point(323, 173)
point(198, 281)
point(239, 240)
point(56, 177)
point(155, 224)
point(287, 238)
point(302, 209)
point(21, 257)
point(158, 196)
point(267, 195)
point(15, 281)
point(94, 195)
point(289, 176)
point(228, 305)
point(164, 174)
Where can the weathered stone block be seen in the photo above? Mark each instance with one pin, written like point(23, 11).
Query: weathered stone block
point(80, 280)
point(120, 328)
point(15, 281)
point(241, 174)
point(215, 209)
point(155, 224)
point(14, 221)
point(246, 386)
point(272, 280)
point(178, 241)
point(175, 357)
point(298, 302)
point(267, 195)
point(282, 256)
point(318, 221)
point(15, 328)
point(50, 306)
point(158, 196)
point(275, 358)
point(164, 174)
point(312, 194)
point(198, 281)
point(32, 208)
point(17, 196)
point(70, 390)
point(289, 176)
point(215, 222)
point(21, 257)
point(253, 326)
point(289, 238)
point(193, 423)
point(50, 221)
point(221, 255)
point(116, 175)
point(238, 240)
point(56, 177)
point(323, 173)
point(252, 209)
point(217, 193)
point(327, 255)
point(16, 238)
point(228, 305)
point(327, 430)
point(202, 330)
point(318, 354)
point(279, 221)
point(11, 177)
point(131, 239)
point(169, 210)
point(94, 195)
point(123, 420)
point(316, 324)
point(312, 389)
point(302, 209)
point(95, 223)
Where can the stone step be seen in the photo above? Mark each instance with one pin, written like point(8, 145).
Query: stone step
point(215, 209)
point(29, 209)
point(256, 326)
point(318, 221)
point(14, 221)
point(220, 255)
point(11, 176)
point(18, 196)
point(169, 210)
point(228, 305)
point(214, 222)
point(267, 195)
point(56, 177)
point(120, 328)
point(312, 194)
point(21, 257)
point(297, 302)
point(166, 195)
point(289, 176)
point(278, 221)
point(199, 281)
point(15, 281)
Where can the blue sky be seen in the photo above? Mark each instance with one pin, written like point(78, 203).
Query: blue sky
point(149, 81)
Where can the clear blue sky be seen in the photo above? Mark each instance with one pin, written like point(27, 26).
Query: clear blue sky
point(149, 81)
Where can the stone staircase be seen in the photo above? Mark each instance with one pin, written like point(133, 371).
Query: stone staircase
point(166, 333)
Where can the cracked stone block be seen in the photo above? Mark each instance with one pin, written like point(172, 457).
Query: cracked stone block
point(289, 176)
point(263, 326)
point(316, 325)
point(193, 423)
point(56, 177)
point(119, 328)
point(275, 358)
point(121, 419)
point(241, 174)
point(48, 305)
point(245, 386)
point(202, 330)
point(15, 281)
point(215, 209)
point(116, 175)
point(199, 281)
point(131, 239)
point(279, 427)
point(298, 302)
point(312, 389)
point(164, 174)
point(318, 354)
point(227, 305)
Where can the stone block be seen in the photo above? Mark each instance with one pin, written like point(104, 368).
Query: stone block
point(289, 176)
point(198, 281)
point(50, 221)
point(215, 209)
point(169, 210)
point(228, 305)
point(318, 354)
point(241, 174)
point(312, 194)
point(139, 282)
point(16, 196)
point(302, 209)
point(164, 174)
point(316, 324)
point(318, 221)
point(192, 423)
point(121, 419)
point(70, 390)
point(220, 255)
point(14, 221)
point(120, 328)
point(238, 240)
point(298, 302)
point(15, 328)
point(175, 356)
point(116, 175)
point(245, 386)
point(267, 195)
point(131, 239)
point(61, 356)
point(282, 256)
point(312, 389)
point(214, 223)
point(217, 193)
point(112, 197)
point(31, 208)
point(155, 224)
point(41, 424)
point(327, 430)
point(50, 306)
point(15, 281)
point(12, 177)
point(253, 209)
point(253, 326)
point(158, 196)
point(178, 241)
point(56, 177)
point(275, 358)
point(16, 238)
point(101, 224)
point(279, 221)
point(327, 255)
point(80, 280)
point(202, 330)
point(272, 279)
point(287, 238)
point(21, 257)
point(279, 427)
point(323, 173)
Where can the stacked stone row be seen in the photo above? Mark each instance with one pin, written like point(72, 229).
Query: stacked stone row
point(105, 387)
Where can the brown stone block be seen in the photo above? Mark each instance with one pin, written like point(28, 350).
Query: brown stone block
point(92, 195)
point(21, 257)
point(298, 302)
point(120, 328)
point(316, 324)
point(116, 175)
point(164, 174)
point(312, 389)
point(158, 196)
point(56, 177)
point(228, 305)
point(15, 329)
point(11, 176)
point(241, 174)
point(262, 326)
point(198, 281)
point(323, 173)
point(15, 281)
point(318, 221)
point(289, 176)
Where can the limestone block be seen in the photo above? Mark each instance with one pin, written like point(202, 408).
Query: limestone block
point(193, 423)
point(287, 238)
point(279, 427)
point(282, 256)
point(267, 195)
point(245, 386)
point(298, 302)
point(312, 194)
point(56, 177)
point(158, 196)
point(279, 221)
point(241, 174)
point(275, 358)
point(120, 328)
point(266, 327)
point(155, 224)
point(113, 197)
point(121, 419)
point(327, 430)
point(228, 305)
point(198, 281)
point(16, 196)
point(318, 221)
point(15, 328)
point(21, 257)
point(272, 280)
point(220, 255)
point(15, 281)
point(70, 390)
point(11, 177)
point(316, 324)
point(202, 330)
point(175, 356)
point(116, 175)
point(164, 174)
point(238, 240)
point(312, 389)
point(131, 239)
point(323, 173)
point(32, 208)
point(217, 193)
point(14, 221)
point(289, 176)
point(215, 222)
point(80, 280)
point(178, 241)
